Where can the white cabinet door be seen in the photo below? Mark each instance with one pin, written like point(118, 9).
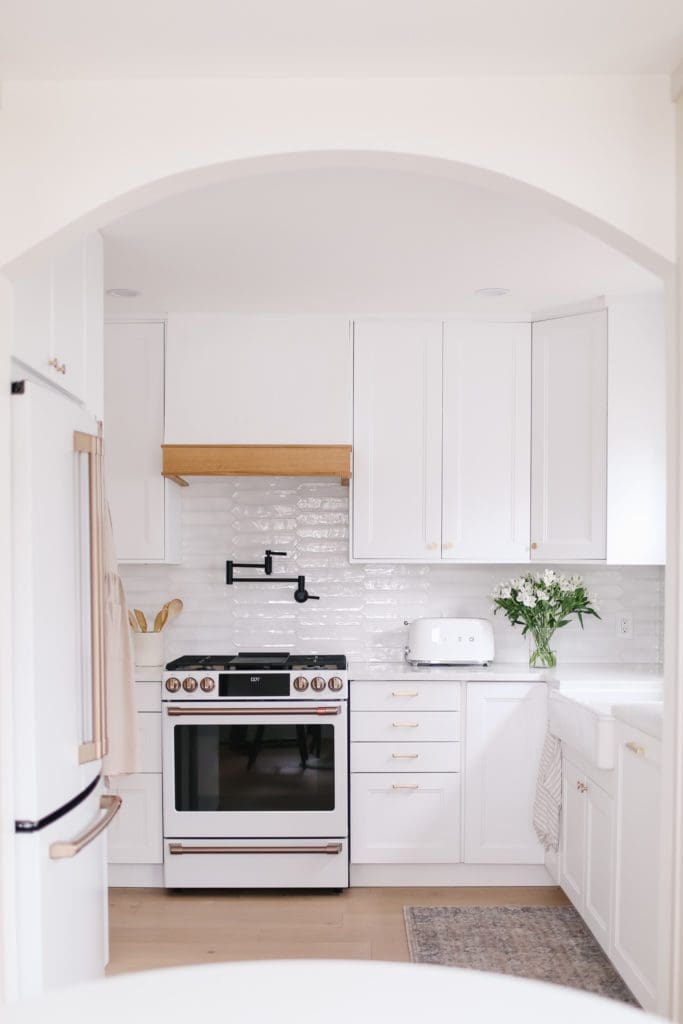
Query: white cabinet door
point(397, 440)
point(135, 836)
point(636, 470)
point(145, 508)
point(573, 834)
point(569, 438)
point(32, 340)
point(486, 442)
point(68, 317)
point(58, 320)
point(599, 874)
point(637, 869)
point(505, 728)
point(405, 819)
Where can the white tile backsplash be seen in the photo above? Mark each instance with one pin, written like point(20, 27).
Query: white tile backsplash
point(362, 608)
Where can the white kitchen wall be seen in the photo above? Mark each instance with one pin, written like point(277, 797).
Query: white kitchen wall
point(362, 607)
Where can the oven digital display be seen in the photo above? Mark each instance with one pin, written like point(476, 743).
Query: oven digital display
point(253, 684)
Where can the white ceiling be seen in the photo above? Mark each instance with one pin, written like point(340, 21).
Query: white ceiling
point(354, 241)
point(103, 38)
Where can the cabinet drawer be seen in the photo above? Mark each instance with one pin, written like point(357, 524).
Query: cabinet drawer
point(149, 740)
point(405, 757)
point(405, 696)
point(405, 819)
point(405, 726)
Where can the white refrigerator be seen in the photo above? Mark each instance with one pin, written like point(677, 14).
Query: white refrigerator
point(61, 808)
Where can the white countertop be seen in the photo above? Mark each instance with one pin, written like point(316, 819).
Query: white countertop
point(256, 993)
point(567, 676)
point(644, 715)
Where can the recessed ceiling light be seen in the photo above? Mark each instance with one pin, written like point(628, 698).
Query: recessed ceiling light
point(492, 293)
point(123, 293)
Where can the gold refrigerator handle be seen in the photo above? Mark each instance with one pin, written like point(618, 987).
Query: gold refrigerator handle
point(109, 803)
point(91, 445)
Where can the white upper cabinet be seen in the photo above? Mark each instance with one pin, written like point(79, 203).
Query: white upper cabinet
point(258, 380)
point(486, 442)
point(58, 321)
point(569, 438)
point(397, 440)
point(636, 468)
point(505, 728)
point(145, 508)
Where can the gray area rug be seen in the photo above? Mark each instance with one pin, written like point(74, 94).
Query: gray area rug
point(545, 943)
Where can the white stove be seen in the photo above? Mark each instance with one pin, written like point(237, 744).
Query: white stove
point(255, 771)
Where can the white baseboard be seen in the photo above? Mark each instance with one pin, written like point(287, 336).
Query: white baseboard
point(449, 874)
point(136, 876)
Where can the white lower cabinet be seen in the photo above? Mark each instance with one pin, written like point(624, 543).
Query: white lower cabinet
point(635, 946)
point(405, 772)
point(405, 818)
point(587, 846)
point(135, 836)
point(505, 725)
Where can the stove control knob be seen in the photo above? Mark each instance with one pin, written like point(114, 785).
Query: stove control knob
point(173, 684)
point(207, 684)
point(318, 683)
point(301, 683)
point(190, 684)
point(336, 684)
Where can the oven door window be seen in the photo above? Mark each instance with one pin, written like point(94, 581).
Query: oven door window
point(254, 767)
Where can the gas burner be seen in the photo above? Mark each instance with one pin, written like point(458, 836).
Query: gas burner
point(263, 660)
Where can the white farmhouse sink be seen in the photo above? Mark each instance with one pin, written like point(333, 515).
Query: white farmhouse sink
point(583, 720)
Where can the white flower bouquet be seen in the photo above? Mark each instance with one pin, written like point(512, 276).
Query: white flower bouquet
point(541, 603)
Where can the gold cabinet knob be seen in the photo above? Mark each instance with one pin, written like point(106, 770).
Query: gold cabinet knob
point(431, 547)
point(534, 545)
point(447, 546)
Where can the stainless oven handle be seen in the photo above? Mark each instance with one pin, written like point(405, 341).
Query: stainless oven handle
point(175, 711)
point(177, 849)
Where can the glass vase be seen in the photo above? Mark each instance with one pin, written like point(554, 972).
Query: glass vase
point(541, 655)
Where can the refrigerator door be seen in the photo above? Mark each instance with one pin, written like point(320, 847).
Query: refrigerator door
point(62, 893)
point(52, 652)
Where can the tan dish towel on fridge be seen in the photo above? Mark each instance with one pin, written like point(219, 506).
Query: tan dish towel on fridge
point(119, 674)
point(548, 802)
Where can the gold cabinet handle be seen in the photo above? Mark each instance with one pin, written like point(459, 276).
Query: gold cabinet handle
point(431, 547)
point(635, 748)
point(404, 757)
point(56, 365)
point(109, 803)
point(405, 725)
point(581, 786)
point(398, 785)
point(447, 546)
point(405, 693)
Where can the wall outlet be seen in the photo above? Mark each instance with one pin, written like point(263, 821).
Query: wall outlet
point(625, 626)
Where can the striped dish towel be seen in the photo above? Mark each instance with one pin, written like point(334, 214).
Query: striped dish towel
point(548, 800)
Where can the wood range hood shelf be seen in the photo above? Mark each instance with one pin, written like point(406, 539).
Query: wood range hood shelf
point(183, 460)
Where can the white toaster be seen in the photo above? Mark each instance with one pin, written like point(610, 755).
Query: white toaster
point(450, 642)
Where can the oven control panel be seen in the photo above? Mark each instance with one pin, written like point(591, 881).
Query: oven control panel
point(313, 684)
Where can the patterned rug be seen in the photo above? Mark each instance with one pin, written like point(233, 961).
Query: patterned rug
point(546, 943)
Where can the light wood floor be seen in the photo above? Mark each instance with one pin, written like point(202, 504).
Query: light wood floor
point(153, 928)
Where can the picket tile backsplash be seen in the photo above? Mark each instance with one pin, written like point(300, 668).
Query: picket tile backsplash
point(362, 608)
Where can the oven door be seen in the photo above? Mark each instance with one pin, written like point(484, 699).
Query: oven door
point(255, 771)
